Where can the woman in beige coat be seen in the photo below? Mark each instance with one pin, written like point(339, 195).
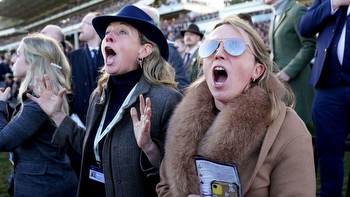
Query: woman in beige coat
point(235, 115)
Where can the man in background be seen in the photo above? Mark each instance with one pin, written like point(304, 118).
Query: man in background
point(85, 63)
point(192, 37)
point(56, 33)
point(175, 58)
point(293, 53)
point(180, 44)
point(330, 76)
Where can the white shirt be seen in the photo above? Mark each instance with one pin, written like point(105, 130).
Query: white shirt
point(341, 43)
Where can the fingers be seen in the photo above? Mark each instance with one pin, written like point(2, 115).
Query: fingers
point(142, 104)
point(35, 90)
point(133, 114)
point(7, 90)
point(4, 94)
point(144, 108)
point(42, 85)
point(62, 92)
point(145, 111)
point(47, 82)
point(33, 98)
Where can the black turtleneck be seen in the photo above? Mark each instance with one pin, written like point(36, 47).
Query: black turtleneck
point(120, 86)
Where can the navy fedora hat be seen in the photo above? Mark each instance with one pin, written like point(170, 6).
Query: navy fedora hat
point(139, 20)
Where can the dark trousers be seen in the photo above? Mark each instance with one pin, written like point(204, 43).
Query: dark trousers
point(331, 116)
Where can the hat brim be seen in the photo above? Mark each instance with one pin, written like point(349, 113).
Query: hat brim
point(195, 32)
point(151, 31)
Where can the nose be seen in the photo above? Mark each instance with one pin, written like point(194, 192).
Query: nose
point(108, 37)
point(220, 51)
point(13, 59)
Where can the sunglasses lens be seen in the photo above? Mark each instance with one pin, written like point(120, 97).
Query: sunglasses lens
point(207, 48)
point(234, 46)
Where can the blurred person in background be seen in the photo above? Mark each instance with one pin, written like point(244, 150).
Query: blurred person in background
point(192, 37)
point(180, 44)
point(55, 32)
point(85, 63)
point(175, 58)
point(293, 54)
point(330, 75)
point(5, 69)
point(69, 46)
point(247, 17)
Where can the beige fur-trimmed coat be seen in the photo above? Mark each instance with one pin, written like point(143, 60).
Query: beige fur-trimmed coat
point(273, 159)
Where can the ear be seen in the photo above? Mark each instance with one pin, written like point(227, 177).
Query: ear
point(145, 50)
point(258, 71)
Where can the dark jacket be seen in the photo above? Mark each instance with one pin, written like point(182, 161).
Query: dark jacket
point(319, 19)
point(84, 79)
point(193, 67)
point(126, 169)
point(41, 168)
point(176, 61)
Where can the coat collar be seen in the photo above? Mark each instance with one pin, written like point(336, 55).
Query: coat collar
point(99, 100)
point(284, 12)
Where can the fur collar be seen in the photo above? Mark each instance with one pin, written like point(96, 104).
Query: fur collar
point(234, 135)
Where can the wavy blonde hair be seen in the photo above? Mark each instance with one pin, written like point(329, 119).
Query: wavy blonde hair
point(156, 69)
point(43, 54)
point(261, 56)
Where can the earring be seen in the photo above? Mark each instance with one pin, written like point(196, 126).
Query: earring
point(253, 79)
point(140, 61)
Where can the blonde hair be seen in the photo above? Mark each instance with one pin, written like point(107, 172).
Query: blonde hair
point(44, 55)
point(156, 69)
point(261, 56)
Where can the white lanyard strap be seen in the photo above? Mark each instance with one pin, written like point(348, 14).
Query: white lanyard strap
point(100, 134)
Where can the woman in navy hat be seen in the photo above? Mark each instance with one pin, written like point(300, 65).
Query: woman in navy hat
point(123, 143)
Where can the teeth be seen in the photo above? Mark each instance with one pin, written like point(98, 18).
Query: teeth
point(219, 68)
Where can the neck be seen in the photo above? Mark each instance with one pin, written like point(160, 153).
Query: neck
point(219, 105)
point(190, 47)
point(94, 43)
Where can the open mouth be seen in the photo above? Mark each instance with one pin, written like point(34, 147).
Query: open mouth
point(110, 55)
point(220, 75)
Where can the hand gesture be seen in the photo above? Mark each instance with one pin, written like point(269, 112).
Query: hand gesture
point(283, 76)
point(49, 102)
point(4, 94)
point(337, 3)
point(142, 125)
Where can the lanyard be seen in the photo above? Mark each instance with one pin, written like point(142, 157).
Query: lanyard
point(100, 134)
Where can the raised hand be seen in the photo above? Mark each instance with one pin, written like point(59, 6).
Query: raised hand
point(142, 131)
point(4, 94)
point(337, 3)
point(49, 102)
point(142, 125)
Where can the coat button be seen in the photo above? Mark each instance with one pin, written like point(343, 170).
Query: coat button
point(119, 181)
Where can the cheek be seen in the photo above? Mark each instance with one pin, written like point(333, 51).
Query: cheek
point(206, 66)
point(19, 68)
